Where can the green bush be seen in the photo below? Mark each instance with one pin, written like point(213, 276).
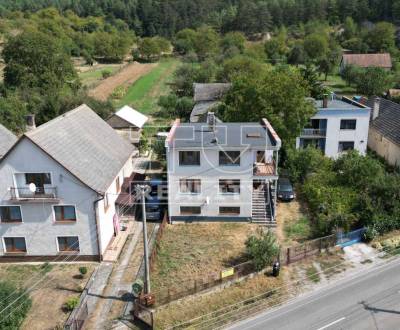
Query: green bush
point(262, 249)
point(119, 92)
point(370, 234)
point(71, 303)
point(83, 270)
point(106, 73)
point(13, 317)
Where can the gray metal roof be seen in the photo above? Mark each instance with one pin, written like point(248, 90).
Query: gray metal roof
point(338, 105)
point(85, 145)
point(388, 121)
point(7, 140)
point(210, 92)
point(226, 135)
point(200, 110)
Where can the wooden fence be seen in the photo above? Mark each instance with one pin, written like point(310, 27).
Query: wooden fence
point(157, 241)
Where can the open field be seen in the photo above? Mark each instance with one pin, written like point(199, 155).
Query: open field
point(52, 285)
point(93, 75)
point(336, 84)
point(192, 251)
point(144, 93)
point(125, 77)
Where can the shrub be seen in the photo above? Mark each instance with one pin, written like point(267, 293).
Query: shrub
point(8, 294)
point(106, 73)
point(71, 303)
point(83, 270)
point(370, 234)
point(262, 249)
point(119, 92)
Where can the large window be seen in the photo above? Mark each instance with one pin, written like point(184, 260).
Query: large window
point(348, 124)
point(68, 244)
point(346, 145)
point(190, 186)
point(229, 210)
point(15, 244)
point(190, 210)
point(189, 158)
point(10, 214)
point(64, 213)
point(39, 179)
point(229, 158)
point(229, 186)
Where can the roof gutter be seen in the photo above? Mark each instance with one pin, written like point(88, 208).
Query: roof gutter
point(96, 217)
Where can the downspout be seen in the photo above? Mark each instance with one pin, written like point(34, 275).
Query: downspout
point(96, 217)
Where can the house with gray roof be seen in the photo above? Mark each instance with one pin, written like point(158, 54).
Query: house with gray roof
point(384, 131)
point(58, 186)
point(222, 171)
point(7, 139)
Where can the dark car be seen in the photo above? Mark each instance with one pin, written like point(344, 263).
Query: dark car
point(156, 200)
point(285, 190)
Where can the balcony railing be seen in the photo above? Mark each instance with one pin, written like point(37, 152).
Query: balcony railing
point(313, 132)
point(40, 193)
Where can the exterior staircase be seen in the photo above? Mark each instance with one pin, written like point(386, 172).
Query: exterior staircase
point(261, 209)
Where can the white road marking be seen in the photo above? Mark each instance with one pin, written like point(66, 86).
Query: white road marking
point(332, 323)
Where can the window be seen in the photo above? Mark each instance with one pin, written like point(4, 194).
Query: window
point(348, 124)
point(191, 158)
point(68, 244)
point(117, 184)
point(64, 213)
point(346, 145)
point(39, 179)
point(10, 214)
point(15, 244)
point(229, 186)
point(229, 158)
point(190, 210)
point(190, 186)
point(229, 210)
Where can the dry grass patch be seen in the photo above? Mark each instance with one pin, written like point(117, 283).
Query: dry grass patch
point(192, 251)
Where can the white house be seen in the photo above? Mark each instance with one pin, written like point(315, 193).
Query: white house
point(222, 171)
point(58, 186)
point(339, 125)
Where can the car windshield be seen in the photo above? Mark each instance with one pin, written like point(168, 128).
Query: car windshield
point(285, 187)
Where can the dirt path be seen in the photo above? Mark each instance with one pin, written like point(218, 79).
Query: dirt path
point(127, 76)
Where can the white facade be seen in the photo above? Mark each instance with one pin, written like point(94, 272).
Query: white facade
point(337, 128)
point(94, 222)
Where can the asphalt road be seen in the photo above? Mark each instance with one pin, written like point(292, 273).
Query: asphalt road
point(367, 300)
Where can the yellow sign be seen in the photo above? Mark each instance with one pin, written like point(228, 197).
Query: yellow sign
point(227, 272)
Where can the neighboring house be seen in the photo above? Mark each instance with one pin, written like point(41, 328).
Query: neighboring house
point(206, 96)
point(222, 171)
point(128, 123)
point(384, 130)
point(339, 125)
point(58, 187)
point(7, 140)
point(383, 61)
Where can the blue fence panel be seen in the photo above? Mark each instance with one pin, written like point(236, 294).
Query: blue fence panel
point(350, 238)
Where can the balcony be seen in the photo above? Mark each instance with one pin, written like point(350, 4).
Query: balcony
point(313, 132)
point(264, 169)
point(41, 194)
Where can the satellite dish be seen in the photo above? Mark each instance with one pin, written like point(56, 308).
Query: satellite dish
point(207, 200)
point(32, 187)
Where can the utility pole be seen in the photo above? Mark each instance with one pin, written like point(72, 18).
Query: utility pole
point(142, 190)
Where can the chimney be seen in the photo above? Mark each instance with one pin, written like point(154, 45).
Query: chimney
point(211, 120)
point(325, 101)
point(375, 110)
point(30, 122)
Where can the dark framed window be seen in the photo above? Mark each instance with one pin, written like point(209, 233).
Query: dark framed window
point(189, 158)
point(64, 213)
point(10, 214)
point(190, 210)
point(190, 186)
point(68, 244)
point(348, 124)
point(39, 179)
point(229, 210)
point(229, 158)
point(15, 244)
point(346, 146)
point(229, 186)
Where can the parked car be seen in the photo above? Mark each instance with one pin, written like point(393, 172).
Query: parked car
point(285, 190)
point(155, 201)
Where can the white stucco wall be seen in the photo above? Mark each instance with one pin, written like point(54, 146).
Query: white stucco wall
point(384, 147)
point(39, 227)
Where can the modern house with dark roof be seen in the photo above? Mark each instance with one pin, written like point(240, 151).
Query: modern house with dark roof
point(339, 125)
point(58, 186)
point(206, 97)
point(382, 60)
point(7, 140)
point(384, 131)
point(222, 171)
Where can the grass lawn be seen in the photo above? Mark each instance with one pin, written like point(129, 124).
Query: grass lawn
point(336, 84)
point(144, 93)
point(93, 76)
point(191, 252)
point(52, 285)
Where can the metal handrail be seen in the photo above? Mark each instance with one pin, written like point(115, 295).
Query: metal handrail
point(40, 193)
point(314, 132)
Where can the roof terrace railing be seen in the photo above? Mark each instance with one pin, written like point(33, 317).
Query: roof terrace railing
point(313, 132)
point(40, 193)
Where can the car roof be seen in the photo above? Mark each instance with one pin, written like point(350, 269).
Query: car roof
point(284, 181)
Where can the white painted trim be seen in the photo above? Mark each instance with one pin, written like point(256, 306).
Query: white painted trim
point(79, 244)
point(67, 221)
point(4, 243)
point(13, 223)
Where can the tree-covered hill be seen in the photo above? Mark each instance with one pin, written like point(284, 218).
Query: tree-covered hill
point(166, 17)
